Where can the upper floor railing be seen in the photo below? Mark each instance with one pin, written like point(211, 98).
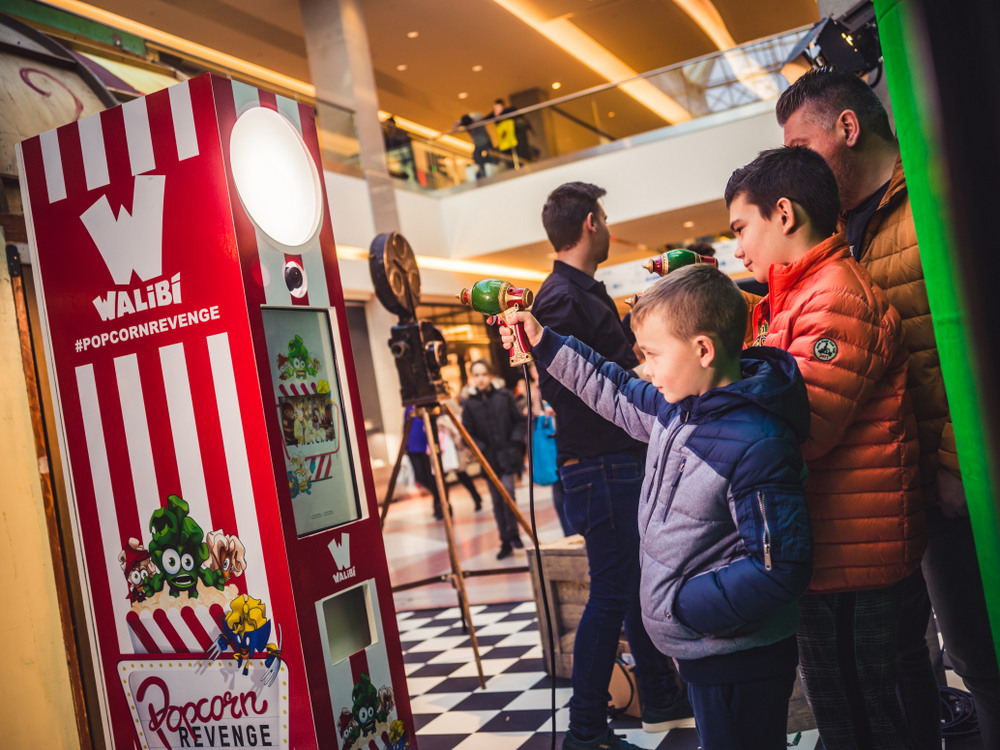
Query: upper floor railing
point(603, 114)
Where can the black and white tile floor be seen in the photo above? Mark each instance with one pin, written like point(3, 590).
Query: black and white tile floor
point(452, 712)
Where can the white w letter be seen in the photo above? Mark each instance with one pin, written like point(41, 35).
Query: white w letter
point(132, 242)
point(341, 552)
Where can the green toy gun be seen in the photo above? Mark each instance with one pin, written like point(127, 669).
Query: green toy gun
point(499, 300)
point(669, 261)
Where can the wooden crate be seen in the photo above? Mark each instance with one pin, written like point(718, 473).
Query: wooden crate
point(567, 584)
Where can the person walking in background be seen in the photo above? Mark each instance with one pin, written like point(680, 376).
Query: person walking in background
point(455, 457)
point(416, 451)
point(483, 152)
point(498, 427)
point(836, 114)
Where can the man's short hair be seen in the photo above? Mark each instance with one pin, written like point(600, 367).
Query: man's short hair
point(796, 173)
point(565, 211)
point(697, 300)
point(826, 92)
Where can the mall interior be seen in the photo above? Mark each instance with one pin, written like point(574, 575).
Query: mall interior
point(657, 101)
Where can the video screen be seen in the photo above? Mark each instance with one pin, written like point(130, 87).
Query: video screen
point(309, 401)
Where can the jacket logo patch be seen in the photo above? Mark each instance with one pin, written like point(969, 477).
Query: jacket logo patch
point(825, 350)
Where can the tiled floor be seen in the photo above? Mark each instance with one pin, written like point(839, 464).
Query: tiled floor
point(513, 712)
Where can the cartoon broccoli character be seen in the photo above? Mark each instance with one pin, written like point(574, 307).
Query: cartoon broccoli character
point(179, 551)
point(367, 709)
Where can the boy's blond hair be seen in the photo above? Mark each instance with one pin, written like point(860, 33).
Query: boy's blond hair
point(697, 300)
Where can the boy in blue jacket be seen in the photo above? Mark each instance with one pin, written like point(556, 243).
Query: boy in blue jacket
point(724, 533)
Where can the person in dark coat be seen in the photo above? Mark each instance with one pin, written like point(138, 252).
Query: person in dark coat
point(496, 424)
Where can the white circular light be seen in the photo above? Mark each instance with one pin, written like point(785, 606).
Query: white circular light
point(401, 67)
point(463, 94)
point(412, 34)
point(477, 68)
point(556, 85)
point(275, 177)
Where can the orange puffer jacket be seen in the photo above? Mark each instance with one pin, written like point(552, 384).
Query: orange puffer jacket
point(890, 253)
point(863, 487)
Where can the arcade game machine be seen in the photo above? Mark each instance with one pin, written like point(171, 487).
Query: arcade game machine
point(224, 511)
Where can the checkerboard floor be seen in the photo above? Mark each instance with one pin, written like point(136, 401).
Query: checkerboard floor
point(514, 711)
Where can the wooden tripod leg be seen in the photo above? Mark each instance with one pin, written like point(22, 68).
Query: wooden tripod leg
point(458, 577)
point(407, 423)
point(490, 474)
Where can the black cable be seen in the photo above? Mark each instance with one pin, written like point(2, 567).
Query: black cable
point(538, 552)
point(958, 709)
point(616, 712)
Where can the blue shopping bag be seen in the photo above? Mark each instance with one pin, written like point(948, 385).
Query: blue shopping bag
point(543, 451)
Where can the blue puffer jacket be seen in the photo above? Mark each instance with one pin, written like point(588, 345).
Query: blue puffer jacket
point(725, 542)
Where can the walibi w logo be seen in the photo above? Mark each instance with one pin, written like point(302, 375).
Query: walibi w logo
point(132, 244)
point(341, 552)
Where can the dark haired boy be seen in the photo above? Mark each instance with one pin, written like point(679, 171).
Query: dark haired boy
point(862, 490)
point(724, 533)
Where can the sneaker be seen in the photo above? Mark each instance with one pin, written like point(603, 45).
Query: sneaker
point(609, 741)
point(505, 551)
point(661, 719)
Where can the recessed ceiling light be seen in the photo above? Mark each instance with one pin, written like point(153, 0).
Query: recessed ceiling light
point(556, 85)
point(401, 67)
point(412, 34)
point(477, 68)
point(688, 224)
point(611, 114)
point(463, 94)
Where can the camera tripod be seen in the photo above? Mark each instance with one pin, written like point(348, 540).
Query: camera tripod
point(430, 412)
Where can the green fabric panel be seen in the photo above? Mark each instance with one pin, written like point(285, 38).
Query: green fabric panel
point(927, 181)
point(60, 19)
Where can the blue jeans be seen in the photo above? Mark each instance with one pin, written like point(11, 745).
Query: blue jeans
point(602, 503)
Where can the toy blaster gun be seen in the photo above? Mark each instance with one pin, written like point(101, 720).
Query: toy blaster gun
point(499, 300)
point(663, 264)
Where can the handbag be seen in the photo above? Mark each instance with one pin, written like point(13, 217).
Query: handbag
point(544, 469)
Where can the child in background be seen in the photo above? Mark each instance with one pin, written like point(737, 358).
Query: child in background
point(862, 491)
point(496, 424)
point(724, 533)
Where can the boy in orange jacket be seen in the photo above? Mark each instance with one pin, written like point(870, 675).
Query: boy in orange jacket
point(862, 491)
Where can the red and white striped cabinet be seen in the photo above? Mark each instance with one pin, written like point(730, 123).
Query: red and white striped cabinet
point(225, 518)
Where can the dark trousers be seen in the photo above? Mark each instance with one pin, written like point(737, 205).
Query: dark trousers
point(847, 656)
point(951, 570)
point(506, 521)
point(743, 715)
point(421, 464)
point(466, 481)
point(602, 503)
point(918, 686)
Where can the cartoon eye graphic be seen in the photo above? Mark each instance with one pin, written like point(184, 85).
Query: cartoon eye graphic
point(364, 713)
point(135, 577)
point(144, 574)
point(295, 279)
point(226, 564)
point(171, 561)
point(187, 562)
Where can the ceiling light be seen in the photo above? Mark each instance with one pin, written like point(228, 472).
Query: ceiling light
point(556, 85)
point(477, 68)
point(463, 94)
point(570, 38)
point(401, 67)
point(688, 224)
point(611, 114)
point(412, 34)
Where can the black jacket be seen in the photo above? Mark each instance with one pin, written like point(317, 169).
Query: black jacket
point(493, 419)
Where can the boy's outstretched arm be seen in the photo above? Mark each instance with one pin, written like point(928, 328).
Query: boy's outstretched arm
point(610, 390)
point(770, 512)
